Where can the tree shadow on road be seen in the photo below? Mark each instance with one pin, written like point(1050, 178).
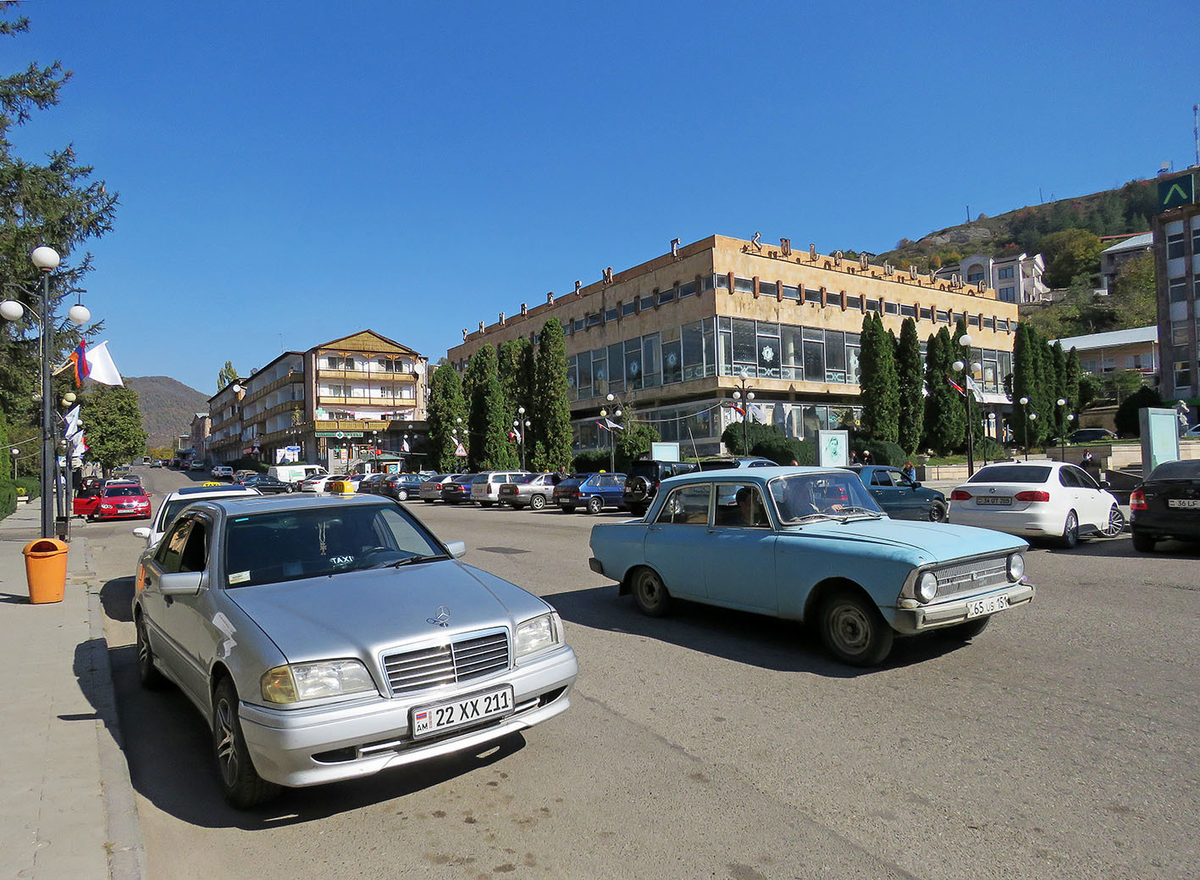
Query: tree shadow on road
point(781, 645)
point(171, 763)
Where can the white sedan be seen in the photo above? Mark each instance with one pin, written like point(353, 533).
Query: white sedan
point(1044, 499)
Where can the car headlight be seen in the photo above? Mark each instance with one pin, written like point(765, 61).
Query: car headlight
point(927, 585)
point(311, 681)
point(538, 633)
point(1016, 566)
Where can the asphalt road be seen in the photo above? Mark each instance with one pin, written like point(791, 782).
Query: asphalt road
point(1063, 742)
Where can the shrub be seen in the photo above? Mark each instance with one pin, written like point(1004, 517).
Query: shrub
point(784, 450)
point(31, 485)
point(8, 498)
point(755, 433)
point(1126, 418)
point(590, 461)
point(988, 449)
point(881, 451)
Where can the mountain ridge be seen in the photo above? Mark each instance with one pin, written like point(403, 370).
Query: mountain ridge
point(167, 406)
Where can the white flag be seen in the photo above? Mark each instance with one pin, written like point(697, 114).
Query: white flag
point(404, 446)
point(758, 413)
point(71, 422)
point(611, 425)
point(101, 366)
point(976, 391)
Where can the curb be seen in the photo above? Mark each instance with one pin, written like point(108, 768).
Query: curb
point(126, 848)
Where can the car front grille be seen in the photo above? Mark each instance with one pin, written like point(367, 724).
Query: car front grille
point(468, 657)
point(972, 576)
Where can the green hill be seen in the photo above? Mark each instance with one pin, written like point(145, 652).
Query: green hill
point(1111, 212)
point(167, 407)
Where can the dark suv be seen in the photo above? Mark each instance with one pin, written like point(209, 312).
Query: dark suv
point(641, 485)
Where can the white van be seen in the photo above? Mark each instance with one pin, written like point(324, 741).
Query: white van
point(296, 473)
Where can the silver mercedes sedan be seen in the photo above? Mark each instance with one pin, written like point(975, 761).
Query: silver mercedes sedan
point(327, 638)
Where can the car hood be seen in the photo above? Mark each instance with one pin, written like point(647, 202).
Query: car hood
point(927, 542)
point(361, 613)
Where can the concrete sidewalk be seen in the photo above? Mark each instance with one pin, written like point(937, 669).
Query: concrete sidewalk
point(66, 804)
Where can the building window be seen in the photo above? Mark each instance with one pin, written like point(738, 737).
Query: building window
point(1005, 272)
point(628, 308)
point(926, 314)
point(790, 292)
point(1177, 290)
point(891, 308)
point(1175, 246)
point(1183, 375)
point(578, 325)
point(688, 289)
point(975, 276)
point(989, 323)
point(943, 317)
point(813, 296)
point(908, 311)
point(672, 356)
point(666, 296)
point(833, 299)
point(854, 302)
point(1179, 333)
point(814, 354)
point(646, 303)
point(593, 319)
point(744, 285)
point(1008, 294)
point(610, 315)
point(722, 282)
point(336, 362)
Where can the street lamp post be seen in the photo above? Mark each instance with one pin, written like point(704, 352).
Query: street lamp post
point(374, 450)
point(744, 391)
point(46, 259)
point(612, 438)
point(964, 366)
point(1024, 401)
point(1064, 422)
point(522, 428)
point(1032, 418)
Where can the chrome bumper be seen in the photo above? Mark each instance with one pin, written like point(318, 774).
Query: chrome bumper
point(923, 618)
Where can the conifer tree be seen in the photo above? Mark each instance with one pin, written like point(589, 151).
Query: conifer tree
point(515, 370)
point(491, 449)
point(880, 391)
point(945, 419)
point(1024, 378)
point(1058, 363)
point(551, 408)
point(446, 406)
point(911, 382)
point(1074, 374)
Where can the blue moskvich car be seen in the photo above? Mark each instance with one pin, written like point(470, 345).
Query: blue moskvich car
point(811, 544)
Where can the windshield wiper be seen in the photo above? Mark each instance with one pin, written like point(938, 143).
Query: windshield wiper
point(415, 559)
point(849, 511)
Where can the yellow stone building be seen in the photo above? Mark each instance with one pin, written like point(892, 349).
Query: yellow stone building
point(674, 337)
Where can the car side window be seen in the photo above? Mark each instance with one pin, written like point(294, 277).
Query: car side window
point(1083, 479)
point(740, 505)
point(881, 478)
point(1066, 478)
point(170, 552)
point(687, 505)
point(195, 552)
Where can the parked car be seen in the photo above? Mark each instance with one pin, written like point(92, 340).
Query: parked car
point(121, 499)
point(87, 496)
point(181, 498)
point(593, 492)
point(457, 489)
point(332, 639)
point(431, 489)
point(195, 465)
point(266, 484)
point(811, 544)
point(371, 484)
point(725, 462)
point(900, 497)
point(1090, 435)
point(529, 490)
point(157, 463)
point(238, 476)
point(319, 482)
point(485, 488)
point(1049, 499)
point(641, 485)
point(402, 486)
point(296, 473)
point(222, 472)
point(1166, 505)
point(1192, 433)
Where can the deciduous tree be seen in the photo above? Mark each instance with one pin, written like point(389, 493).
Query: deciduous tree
point(226, 375)
point(113, 426)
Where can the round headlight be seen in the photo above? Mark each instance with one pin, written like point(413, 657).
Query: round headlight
point(927, 585)
point(1016, 567)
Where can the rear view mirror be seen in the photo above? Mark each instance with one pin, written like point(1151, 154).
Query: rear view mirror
point(916, 484)
point(458, 549)
point(181, 583)
point(1104, 484)
point(142, 532)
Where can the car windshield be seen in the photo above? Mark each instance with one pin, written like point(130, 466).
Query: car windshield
point(1024, 473)
point(122, 491)
point(806, 497)
point(301, 543)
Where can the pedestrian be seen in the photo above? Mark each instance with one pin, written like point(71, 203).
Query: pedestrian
point(1088, 459)
point(866, 456)
point(909, 471)
point(853, 457)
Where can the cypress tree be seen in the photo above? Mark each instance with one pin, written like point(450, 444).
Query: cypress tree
point(515, 371)
point(1058, 361)
point(878, 383)
point(489, 423)
point(1074, 374)
point(911, 382)
point(551, 409)
point(446, 405)
point(1024, 378)
point(945, 419)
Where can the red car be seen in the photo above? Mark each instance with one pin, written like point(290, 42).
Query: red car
point(122, 501)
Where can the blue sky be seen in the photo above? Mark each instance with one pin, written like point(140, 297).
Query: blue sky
point(290, 172)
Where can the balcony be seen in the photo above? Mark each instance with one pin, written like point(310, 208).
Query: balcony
point(367, 375)
point(294, 376)
point(325, 401)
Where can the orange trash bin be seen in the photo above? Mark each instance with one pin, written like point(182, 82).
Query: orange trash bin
point(46, 570)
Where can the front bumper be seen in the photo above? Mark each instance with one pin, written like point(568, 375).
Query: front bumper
point(923, 618)
point(376, 734)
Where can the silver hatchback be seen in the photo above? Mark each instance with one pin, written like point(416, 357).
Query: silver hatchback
point(485, 488)
point(332, 638)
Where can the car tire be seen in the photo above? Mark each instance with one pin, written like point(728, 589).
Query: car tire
point(485, 503)
point(568, 508)
point(537, 502)
point(639, 488)
point(241, 785)
point(937, 512)
point(290, 489)
point(1143, 543)
point(595, 505)
point(1070, 535)
point(638, 510)
point(853, 630)
point(1116, 523)
point(650, 593)
point(967, 631)
point(401, 494)
point(148, 675)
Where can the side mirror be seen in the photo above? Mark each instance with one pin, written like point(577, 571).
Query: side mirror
point(916, 484)
point(1104, 484)
point(458, 549)
point(142, 532)
point(181, 583)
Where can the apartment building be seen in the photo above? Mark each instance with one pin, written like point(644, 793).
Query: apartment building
point(1132, 349)
point(1114, 257)
point(334, 403)
point(1016, 279)
point(674, 337)
point(1176, 232)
